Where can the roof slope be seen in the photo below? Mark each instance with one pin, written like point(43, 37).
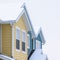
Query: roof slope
point(40, 36)
point(38, 55)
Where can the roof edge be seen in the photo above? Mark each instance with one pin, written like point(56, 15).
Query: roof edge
point(24, 6)
point(41, 35)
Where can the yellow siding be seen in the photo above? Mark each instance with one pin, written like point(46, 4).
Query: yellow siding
point(6, 39)
point(20, 55)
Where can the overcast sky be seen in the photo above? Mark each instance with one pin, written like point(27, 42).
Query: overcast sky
point(45, 14)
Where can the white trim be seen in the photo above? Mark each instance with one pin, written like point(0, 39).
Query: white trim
point(25, 35)
point(17, 28)
point(19, 16)
point(28, 41)
point(12, 40)
point(41, 35)
point(24, 52)
point(6, 57)
point(23, 31)
point(28, 19)
point(8, 22)
point(18, 50)
point(1, 38)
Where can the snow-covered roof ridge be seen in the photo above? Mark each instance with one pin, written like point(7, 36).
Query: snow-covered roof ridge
point(41, 35)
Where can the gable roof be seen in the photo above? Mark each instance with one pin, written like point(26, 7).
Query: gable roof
point(24, 13)
point(40, 36)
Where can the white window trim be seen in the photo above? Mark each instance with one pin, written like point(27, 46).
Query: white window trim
point(24, 41)
point(1, 38)
point(24, 52)
point(18, 50)
point(17, 28)
point(28, 41)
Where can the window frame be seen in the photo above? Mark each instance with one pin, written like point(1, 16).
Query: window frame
point(28, 37)
point(38, 43)
point(23, 31)
point(19, 39)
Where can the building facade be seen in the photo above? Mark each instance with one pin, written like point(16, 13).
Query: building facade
point(18, 39)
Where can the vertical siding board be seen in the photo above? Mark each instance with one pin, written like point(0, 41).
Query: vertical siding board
point(34, 43)
point(29, 50)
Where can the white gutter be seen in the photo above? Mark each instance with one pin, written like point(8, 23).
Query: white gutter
point(5, 57)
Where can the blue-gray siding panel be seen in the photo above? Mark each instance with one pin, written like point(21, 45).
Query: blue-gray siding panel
point(29, 50)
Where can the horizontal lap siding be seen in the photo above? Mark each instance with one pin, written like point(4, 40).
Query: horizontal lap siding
point(6, 39)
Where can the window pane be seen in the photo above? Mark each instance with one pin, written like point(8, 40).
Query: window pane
point(18, 34)
point(17, 44)
point(28, 41)
point(37, 44)
point(23, 46)
point(17, 38)
point(23, 36)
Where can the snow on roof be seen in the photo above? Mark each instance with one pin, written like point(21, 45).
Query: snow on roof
point(40, 33)
point(7, 21)
point(10, 11)
point(37, 55)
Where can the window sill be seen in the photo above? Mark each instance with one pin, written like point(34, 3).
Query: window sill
point(17, 50)
point(24, 52)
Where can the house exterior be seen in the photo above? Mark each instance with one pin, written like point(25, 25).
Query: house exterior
point(36, 53)
point(40, 40)
point(14, 36)
point(18, 39)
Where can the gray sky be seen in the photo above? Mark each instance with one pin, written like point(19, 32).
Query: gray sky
point(45, 14)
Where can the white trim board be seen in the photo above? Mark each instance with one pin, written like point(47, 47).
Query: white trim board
point(12, 40)
point(6, 57)
point(0, 38)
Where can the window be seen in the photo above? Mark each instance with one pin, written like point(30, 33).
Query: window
point(37, 44)
point(23, 40)
point(28, 37)
point(18, 38)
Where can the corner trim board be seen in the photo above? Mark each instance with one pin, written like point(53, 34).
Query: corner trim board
point(12, 40)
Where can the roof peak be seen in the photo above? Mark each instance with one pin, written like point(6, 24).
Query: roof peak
point(40, 33)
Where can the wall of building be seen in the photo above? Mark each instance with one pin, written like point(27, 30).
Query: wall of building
point(6, 39)
point(20, 55)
